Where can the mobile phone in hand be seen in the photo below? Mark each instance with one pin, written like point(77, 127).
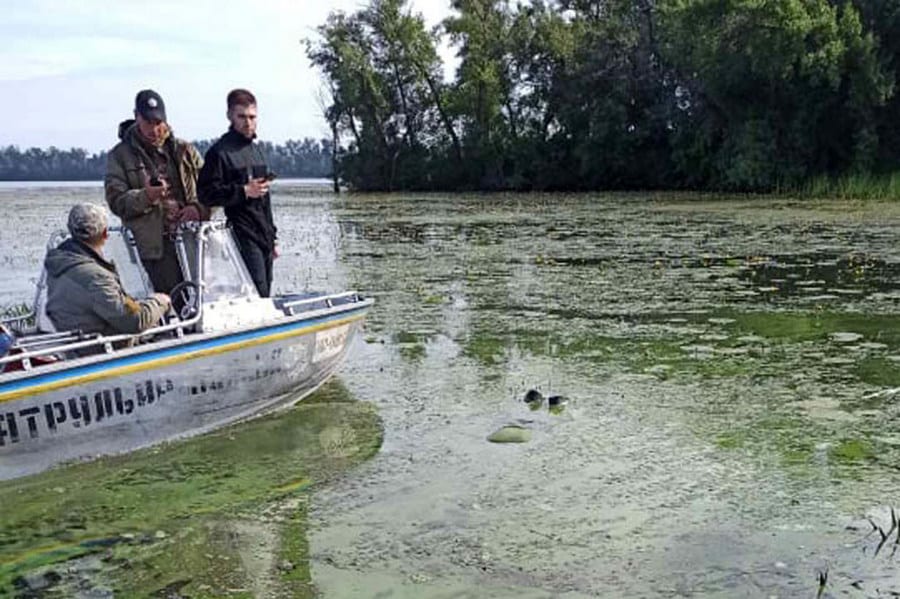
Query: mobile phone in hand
point(270, 176)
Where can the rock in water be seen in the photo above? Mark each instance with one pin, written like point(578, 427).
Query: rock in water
point(511, 433)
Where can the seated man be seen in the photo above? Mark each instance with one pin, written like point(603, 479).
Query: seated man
point(83, 289)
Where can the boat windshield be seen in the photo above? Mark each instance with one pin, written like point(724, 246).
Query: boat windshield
point(120, 249)
point(224, 272)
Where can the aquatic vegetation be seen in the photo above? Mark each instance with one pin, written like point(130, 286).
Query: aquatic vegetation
point(852, 450)
point(185, 498)
point(709, 419)
point(486, 349)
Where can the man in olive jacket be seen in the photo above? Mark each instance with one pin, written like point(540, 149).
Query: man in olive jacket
point(83, 289)
point(235, 175)
point(151, 184)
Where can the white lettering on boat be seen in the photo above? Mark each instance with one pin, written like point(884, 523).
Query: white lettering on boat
point(330, 342)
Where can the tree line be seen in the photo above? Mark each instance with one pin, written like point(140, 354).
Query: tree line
point(307, 158)
point(744, 95)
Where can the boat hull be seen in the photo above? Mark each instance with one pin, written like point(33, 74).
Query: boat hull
point(167, 390)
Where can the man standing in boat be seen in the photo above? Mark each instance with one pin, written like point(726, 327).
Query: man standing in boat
point(151, 184)
point(83, 289)
point(235, 175)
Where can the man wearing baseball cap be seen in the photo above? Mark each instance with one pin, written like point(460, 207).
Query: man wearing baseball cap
point(151, 184)
point(83, 288)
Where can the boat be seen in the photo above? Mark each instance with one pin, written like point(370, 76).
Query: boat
point(223, 355)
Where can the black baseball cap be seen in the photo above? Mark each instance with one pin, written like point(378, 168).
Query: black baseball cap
point(150, 105)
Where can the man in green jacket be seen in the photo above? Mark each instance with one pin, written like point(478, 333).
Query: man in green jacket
point(83, 288)
point(151, 184)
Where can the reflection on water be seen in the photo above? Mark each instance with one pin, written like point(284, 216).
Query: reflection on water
point(729, 367)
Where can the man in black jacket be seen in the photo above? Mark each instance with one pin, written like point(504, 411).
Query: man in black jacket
point(235, 176)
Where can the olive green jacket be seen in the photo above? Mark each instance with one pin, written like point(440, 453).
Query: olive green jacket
point(129, 168)
point(84, 293)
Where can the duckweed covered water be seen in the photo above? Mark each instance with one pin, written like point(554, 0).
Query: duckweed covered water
point(730, 367)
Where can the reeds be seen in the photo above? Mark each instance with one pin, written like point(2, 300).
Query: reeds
point(854, 187)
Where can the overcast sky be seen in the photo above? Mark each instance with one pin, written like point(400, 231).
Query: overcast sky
point(69, 70)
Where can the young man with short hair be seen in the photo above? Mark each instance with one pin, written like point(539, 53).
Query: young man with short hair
point(235, 175)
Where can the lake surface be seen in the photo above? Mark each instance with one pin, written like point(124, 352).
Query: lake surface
point(730, 364)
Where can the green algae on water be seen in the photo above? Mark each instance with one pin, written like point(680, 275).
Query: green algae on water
point(187, 499)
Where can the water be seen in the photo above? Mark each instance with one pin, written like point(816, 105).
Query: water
point(729, 366)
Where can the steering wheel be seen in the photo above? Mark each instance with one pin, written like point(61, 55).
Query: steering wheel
point(186, 299)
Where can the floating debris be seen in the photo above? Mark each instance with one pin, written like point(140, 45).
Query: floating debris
point(873, 345)
point(511, 433)
point(838, 361)
point(845, 337)
point(713, 337)
point(722, 321)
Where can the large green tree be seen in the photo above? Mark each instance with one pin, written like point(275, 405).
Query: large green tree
point(384, 77)
point(600, 94)
point(772, 91)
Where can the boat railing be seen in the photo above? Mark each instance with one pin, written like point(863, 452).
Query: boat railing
point(34, 346)
point(290, 306)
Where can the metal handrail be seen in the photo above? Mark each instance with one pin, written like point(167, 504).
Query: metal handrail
point(101, 340)
point(339, 308)
point(320, 298)
point(157, 330)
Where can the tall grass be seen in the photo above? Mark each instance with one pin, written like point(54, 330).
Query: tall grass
point(854, 187)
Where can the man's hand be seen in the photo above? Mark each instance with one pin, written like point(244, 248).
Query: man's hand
point(256, 188)
point(189, 213)
point(163, 299)
point(172, 209)
point(275, 252)
point(156, 193)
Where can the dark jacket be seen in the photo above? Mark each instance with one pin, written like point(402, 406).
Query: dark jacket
point(129, 167)
point(228, 166)
point(84, 292)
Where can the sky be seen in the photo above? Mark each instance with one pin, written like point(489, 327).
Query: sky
point(69, 70)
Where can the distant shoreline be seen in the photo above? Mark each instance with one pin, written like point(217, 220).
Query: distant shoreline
point(14, 184)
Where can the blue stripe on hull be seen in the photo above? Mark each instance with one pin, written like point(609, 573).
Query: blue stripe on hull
point(189, 347)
